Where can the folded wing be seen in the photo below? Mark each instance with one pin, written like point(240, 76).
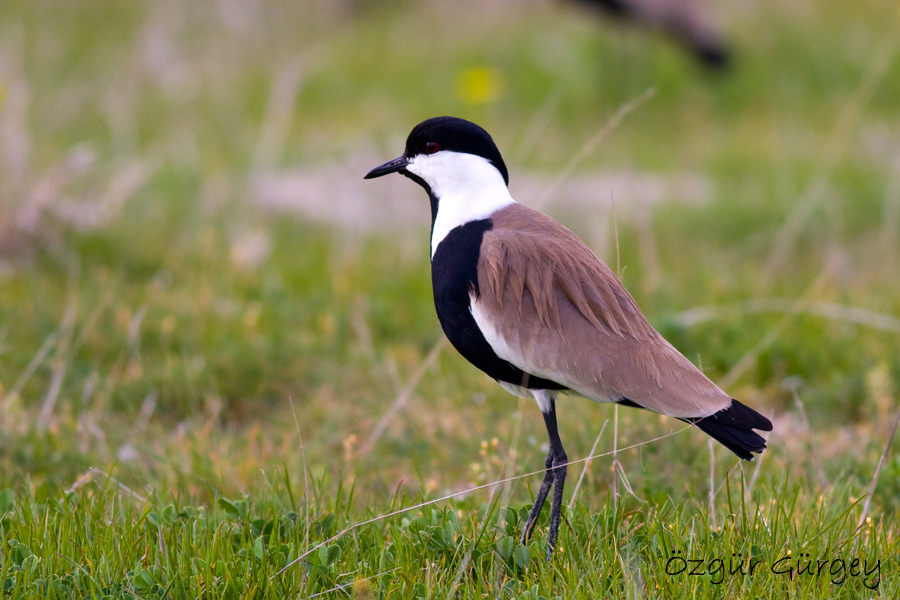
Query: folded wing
point(549, 306)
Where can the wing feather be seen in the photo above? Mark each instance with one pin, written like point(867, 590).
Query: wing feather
point(552, 308)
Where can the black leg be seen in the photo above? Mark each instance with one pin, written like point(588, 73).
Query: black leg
point(560, 468)
point(555, 475)
point(539, 499)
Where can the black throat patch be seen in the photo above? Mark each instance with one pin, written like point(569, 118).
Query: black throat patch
point(431, 197)
point(454, 274)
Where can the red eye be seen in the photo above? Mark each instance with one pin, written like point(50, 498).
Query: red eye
point(431, 148)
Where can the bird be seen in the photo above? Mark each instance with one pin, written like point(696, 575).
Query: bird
point(679, 19)
point(526, 301)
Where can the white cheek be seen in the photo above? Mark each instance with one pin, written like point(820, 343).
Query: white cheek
point(468, 188)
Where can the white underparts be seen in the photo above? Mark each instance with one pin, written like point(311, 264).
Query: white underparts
point(468, 188)
point(519, 357)
point(496, 341)
point(545, 398)
point(513, 353)
point(515, 390)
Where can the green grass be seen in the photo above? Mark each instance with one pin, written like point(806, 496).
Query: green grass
point(140, 349)
point(114, 544)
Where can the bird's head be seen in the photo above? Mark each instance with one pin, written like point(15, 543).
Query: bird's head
point(459, 166)
point(444, 154)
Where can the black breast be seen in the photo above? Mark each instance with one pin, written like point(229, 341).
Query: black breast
point(454, 272)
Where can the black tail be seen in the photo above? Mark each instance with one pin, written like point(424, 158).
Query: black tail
point(733, 428)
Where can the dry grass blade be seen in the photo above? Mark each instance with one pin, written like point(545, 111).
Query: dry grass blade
point(40, 355)
point(460, 573)
point(62, 359)
point(615, 454)
point(809, 437)
point(509, 465)
point(623, 477)
point(881, 461)
point(89, 477)
point(771, 336)
point(592, 143)
point(537, 125)
point(305, 474)
point(279, 114)
point(828, 310)
point(834, 148)
point(362, 330)
point(343, 587)
point(403, 396)
point(15, 98)
point(891, 226)
point(400, 511)
point(587, 464)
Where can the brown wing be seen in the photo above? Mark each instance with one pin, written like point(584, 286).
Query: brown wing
point(548, 305)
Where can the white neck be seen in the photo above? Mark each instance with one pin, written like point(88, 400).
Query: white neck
point(468, 188)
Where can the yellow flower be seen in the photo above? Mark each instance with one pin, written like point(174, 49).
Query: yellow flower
point(479, 85)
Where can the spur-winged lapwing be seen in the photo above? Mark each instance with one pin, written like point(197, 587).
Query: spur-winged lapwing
point(528, 303)
point(680, 19)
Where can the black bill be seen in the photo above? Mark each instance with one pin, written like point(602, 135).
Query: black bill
point(392, 166)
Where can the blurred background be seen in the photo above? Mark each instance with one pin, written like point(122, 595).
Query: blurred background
point(198, 288)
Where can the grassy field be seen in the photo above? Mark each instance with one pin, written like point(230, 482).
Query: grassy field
point(221, 374)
